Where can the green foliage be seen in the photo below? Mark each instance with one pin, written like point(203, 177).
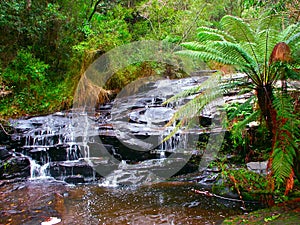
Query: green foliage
point(247, 47)
point(68, 37)
point(254, 8)
point(28, 78)
point(247, 184)
point(239, 116)
point(25, 72)
point(177, 20)
point(250, 184)
point(121, 78)
point(271, 218)
point(287, 138)
point(239, 110)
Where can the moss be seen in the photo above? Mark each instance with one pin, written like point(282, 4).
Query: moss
point(287, 213)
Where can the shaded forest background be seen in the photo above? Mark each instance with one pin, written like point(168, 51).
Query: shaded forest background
point(45, 46)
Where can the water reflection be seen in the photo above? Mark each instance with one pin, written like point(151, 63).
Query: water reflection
point(33, 202)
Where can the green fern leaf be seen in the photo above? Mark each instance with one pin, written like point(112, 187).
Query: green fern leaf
point(240, 126)
point(290, 31)
point(241, 108)
point(237, 28)
point(223, 34)
point(209, 36)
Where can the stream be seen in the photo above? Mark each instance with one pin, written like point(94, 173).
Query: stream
point(110, 165)
point(33, 202)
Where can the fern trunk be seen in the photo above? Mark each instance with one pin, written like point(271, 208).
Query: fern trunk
point(265, 97)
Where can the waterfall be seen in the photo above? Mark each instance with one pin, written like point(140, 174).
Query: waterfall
point(77, 144)
point(37, 171)
point(56, 137)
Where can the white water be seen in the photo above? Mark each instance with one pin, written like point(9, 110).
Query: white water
point(37, 171)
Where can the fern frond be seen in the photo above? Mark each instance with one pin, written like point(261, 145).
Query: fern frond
point(222, 33)
point(194, 107)
point(240, 126)
point(265, 42)
point(237, 28)
point(290, 31)
point(236, 54)
point(286, 145)
point(234, 51)
point(242, 107)
point(269, 22)
point(205, 56)
point(282, 162)
point(185, 93)
point(293, 40)
point(284, 106)
point(209, 36)
point(193, 45)
point(223, 52)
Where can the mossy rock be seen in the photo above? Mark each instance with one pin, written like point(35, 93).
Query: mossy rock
point(14, 167)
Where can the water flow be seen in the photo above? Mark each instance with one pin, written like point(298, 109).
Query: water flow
point(37, 171)
point(171, 144)
point(68, 137)
point(132, 174)
point(58, 134)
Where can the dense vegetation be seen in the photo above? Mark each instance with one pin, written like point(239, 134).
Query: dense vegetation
point(266, 52)
point(47, 45)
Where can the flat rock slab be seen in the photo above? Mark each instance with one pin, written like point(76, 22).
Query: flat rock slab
point(258, 167)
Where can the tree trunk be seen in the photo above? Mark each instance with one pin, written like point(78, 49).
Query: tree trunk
point(28, 6)
point(265, 98)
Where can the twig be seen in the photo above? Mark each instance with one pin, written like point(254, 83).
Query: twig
point(4, 129)
point(191, 26)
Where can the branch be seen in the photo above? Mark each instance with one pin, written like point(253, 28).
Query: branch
point(28, 6)
point(94, 10)
point(4, 129)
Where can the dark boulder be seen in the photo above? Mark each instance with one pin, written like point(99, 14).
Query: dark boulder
point(14, 166)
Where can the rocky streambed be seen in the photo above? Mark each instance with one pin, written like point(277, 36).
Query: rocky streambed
point(123, 136)
point(119, 145)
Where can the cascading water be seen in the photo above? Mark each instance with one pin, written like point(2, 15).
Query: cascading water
point(120, 145)
point(52, 147)
point(126, 135)
point(37, 171)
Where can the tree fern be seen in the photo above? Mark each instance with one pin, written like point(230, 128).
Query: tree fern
point(248, 47)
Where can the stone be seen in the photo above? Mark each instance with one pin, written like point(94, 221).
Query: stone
point(14, 167)
point(258, 167)
point(75, 179)
point(4, 153)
